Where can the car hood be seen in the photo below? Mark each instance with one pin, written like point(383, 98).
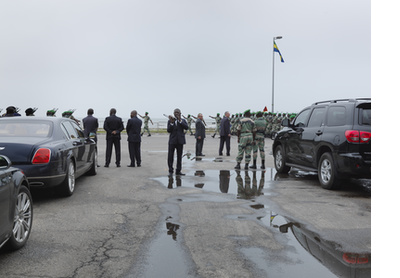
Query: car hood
point(20, 150)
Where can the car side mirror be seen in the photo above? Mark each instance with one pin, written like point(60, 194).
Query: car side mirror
point(285, 123)
point(5, 163)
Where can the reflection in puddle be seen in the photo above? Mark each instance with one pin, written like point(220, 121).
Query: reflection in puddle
point(305, 253)
point(329, 253)
point(246, 184)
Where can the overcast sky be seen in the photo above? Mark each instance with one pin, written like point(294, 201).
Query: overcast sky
point(199, 55)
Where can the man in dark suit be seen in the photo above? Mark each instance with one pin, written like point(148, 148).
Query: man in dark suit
point(113, 125)
point(225, 134)
point(90, 125)
point(200, 134)
point(133, 128)
point(175, 127)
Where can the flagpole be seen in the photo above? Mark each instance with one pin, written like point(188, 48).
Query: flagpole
point(273, 69)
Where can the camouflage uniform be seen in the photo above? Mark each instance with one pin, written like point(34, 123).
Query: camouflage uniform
point(246, 128)
point(260, 126)
point(146, 120)
point(189, 122)
point(217, 124)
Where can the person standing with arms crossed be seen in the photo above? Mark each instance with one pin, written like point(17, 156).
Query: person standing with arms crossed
point(176, 127)
point(113, 125)
point(200, 134)
point(225, 134)
point(133, 128)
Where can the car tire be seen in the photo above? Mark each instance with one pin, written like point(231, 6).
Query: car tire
point(93, 169)
point(280, 161)
point(23, 218)
point(327, 175)
point(67, 188)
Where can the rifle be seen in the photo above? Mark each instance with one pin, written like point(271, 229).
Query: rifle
point(169, 117)
point(204, 122)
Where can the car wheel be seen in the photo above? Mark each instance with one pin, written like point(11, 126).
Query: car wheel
point(22, 219)
point(68, 186)
point(279, 160)
point(327, 175)
point(93, 168)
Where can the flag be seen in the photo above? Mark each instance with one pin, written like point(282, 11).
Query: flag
point(265, 109)
point(277, 50)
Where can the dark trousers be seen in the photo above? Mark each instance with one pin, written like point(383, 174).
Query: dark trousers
point(199, 146)
point(171, 152)
point(116, 142)
point(134, 153)
point(222, 140)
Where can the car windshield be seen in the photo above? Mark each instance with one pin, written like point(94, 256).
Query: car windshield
point(25, 129)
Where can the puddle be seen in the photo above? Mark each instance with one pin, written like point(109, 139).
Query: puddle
point(165, 256)
point(304, 254)
point(244, 184)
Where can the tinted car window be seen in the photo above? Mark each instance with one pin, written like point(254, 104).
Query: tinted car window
point(301, 118)
point(70, 130)
point(317, 117)
point(336, 116)
point(364, 117)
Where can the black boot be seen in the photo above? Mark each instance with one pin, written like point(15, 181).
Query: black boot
point(262, 164)
point(237, 166)
point(254, 166)
point(246, 166)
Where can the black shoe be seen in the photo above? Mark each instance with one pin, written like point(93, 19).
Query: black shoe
point(228, 154)
point(237, 167)
point(149, 135)
point(118, 165)
point(180, 174)
point(139, 165)
point(220, 154)
point(106, 165)
point(170, 174)
point(131, 165)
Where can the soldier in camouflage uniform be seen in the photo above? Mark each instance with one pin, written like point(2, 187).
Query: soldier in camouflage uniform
point(260, 126)
point(217, 124)
point(234, 121)
point(146, 120)
point(246, 134)
point(189, 120)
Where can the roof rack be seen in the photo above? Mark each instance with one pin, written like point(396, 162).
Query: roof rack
point(342, 100)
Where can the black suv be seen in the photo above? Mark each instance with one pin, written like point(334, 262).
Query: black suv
point(330, 137)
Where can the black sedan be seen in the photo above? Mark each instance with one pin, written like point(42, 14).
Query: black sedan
point(15, 206)
point(50, 151)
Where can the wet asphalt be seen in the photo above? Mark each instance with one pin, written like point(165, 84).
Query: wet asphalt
point(212, 222)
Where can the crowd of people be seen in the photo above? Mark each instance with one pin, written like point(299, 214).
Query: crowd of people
point(251, 128)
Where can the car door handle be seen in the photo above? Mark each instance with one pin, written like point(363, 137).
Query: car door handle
point(76, 143)
point(319, 132)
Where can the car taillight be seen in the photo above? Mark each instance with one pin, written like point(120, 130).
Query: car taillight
point(353, 258)
point(42, 156)
point(356, 136)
